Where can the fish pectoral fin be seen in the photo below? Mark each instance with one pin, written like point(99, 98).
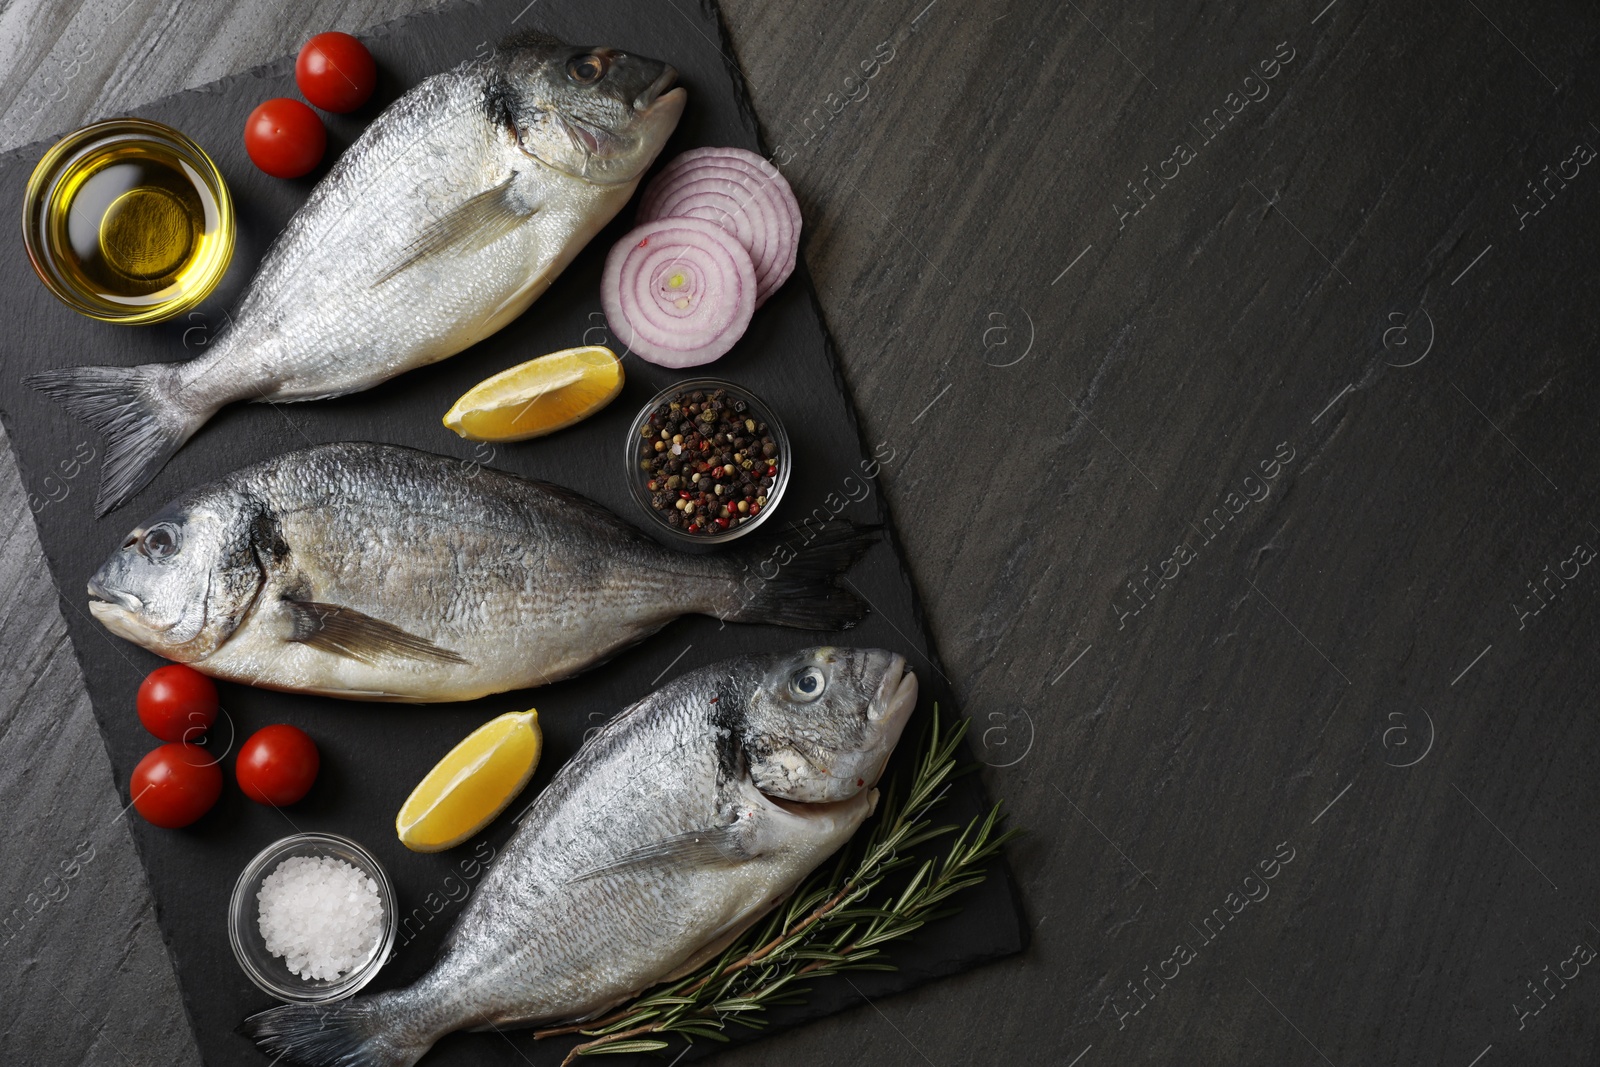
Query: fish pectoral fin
point(347, 632)
point(468, 227)
point(712, 846)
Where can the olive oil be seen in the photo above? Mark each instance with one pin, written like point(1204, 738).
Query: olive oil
point(132, 225)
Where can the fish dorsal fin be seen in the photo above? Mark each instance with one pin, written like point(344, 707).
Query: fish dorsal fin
point(712, 846)
point(473, 225)
point(347, 632)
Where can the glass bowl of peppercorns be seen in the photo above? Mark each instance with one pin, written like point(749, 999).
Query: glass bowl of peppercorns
point(708, 460)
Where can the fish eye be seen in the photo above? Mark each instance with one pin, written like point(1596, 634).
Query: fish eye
point(586, 70)
point(160, 541)
point(807, 684)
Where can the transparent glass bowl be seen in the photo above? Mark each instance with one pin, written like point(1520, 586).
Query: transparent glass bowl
point(637, 477)
point(270, 972)
point(111, 191)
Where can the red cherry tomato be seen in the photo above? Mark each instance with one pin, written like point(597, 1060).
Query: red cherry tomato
point(175, 785)
point(336, 72)
point(277, 765)
point(177, 703)
point(285, 138)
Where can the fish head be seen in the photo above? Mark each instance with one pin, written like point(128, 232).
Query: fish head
point(599, 114)
point(820, 724)
point(181, 581)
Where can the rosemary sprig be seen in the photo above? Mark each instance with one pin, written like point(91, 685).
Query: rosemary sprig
point(836, 921)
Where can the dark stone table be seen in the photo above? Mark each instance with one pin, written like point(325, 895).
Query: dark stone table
point(1242, 364)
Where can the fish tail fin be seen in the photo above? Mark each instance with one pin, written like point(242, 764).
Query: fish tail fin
point(139, 410)
point(372, 1031)
point(800, 587)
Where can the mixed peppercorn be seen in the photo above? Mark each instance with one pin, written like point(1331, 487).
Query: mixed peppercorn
point(709, 462)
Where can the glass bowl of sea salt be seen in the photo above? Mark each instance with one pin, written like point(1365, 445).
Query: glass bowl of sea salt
point(312, 918)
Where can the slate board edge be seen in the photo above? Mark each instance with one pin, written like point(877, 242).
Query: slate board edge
point(1000, 866)
point(747, 117)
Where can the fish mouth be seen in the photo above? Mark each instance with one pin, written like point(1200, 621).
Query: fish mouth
point(891, 707)
point(653, 92)
point(101, 599)
point(896, 695)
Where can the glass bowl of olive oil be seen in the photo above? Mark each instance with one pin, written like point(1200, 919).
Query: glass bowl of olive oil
point(128, 221)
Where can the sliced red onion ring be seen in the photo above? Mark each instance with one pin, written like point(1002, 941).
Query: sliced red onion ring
point(742, 193)
point(741, 210)
point(678, 292)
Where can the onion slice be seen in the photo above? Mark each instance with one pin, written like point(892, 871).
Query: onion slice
point(742, 193)
point(679, 291)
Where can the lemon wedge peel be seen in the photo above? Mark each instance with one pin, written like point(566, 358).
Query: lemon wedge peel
point(472, 784)
point(538, 397)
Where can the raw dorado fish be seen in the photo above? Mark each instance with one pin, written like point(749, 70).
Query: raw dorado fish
point(671, 831)
point(446, 218)
point(376, 572)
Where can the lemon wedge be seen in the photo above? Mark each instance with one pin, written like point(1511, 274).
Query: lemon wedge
point(538, 397)
point(472, 784)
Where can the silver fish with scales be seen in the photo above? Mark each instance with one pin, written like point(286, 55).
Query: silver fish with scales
point(448, 216)
point(378, 572)
point(673, 829)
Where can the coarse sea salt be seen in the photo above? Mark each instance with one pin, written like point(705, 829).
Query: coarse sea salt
point(321, 915)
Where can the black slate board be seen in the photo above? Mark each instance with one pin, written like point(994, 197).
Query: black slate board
point(373, 754)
